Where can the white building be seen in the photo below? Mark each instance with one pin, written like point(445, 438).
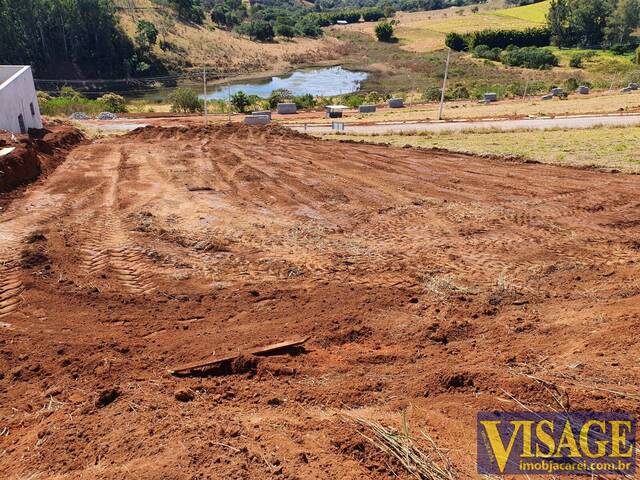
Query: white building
point(18, 101)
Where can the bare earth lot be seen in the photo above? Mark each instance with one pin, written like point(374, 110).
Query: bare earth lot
point(431, 283)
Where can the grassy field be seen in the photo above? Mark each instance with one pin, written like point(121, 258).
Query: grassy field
point(425, 31)
point(607, 147)
point(416, 63)
point(574, 105)
point(536, 12)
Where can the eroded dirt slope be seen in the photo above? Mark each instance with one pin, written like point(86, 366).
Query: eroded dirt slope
point(430, 283)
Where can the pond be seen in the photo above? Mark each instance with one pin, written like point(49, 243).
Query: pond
point(324, 82)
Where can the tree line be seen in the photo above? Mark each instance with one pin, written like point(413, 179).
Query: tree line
point(593, 23)
point(570, 23)
point(57, 36)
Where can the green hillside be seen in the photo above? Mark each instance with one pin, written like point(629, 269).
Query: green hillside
point(536, 12)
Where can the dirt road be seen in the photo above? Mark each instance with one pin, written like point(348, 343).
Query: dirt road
point(431, 283)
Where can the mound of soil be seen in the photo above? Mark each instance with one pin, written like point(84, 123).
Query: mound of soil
point(37, 153)
point(238, 131)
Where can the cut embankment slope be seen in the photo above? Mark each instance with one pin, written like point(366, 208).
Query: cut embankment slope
point(28, 156)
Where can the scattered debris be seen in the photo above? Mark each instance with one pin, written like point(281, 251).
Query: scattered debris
point(79, 116)
point(106, 116)
point(430, 465)
point(240, 362)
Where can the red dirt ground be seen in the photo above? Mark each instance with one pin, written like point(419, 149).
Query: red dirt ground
point(36, 154)
point(434, 284)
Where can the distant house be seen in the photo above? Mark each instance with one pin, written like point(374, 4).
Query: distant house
point(18, 101)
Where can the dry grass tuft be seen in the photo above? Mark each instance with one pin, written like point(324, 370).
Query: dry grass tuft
point(425, 464)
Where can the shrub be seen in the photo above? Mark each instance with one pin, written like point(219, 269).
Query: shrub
point(372, 14)
point(113, 103)
point(43, 96)
point(431, 94)
point(353, 100)
point(571, 84)
point(384, 32)
point(638, 55)
point(349, 16)
point(305, 101)
point(308, 27)
point(284, 29)
point(185, 100)
point(528, 57)
point(240, 101)
point(146, 33)
point(455, 41)
point(64, 106)
point(576, 60)
point(531, 37)
point(260, 30)
point(483, 51)
point(69, 92)
point(322, 20)
point(278, 96)
point(618, 49)
point(458, 92)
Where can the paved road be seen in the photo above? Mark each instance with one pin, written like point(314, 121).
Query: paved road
point(532, 123)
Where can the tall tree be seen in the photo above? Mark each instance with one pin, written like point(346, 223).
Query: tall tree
point(588, 19)
point(558, 19)
point(622, 22)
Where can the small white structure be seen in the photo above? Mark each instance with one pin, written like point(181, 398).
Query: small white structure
point(19, 109)
point(335, 111)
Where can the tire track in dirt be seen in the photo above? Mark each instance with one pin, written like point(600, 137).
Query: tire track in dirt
point(11, 287)
point(106, 246)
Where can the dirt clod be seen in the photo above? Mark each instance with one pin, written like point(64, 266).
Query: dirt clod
point(106, 397)
point(184, 395)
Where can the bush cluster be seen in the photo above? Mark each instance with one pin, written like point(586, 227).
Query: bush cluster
point(185, 100)
point(500, 38)
point(528, 57)
point(69, 101)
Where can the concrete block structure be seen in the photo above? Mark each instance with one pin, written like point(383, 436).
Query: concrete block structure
point(262, 112)
point(583, 90)
point(490, 97)
point(396, 103)
point(366, 108)
point(19, 109)
point(257, 120)
point(287, 108)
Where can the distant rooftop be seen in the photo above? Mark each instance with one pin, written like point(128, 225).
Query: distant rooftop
point(8, 71)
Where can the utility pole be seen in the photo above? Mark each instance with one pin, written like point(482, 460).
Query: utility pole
point(526, 88)
point(204, 88)
point(444, 84)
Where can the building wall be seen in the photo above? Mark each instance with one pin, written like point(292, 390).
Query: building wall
point(17, 95)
